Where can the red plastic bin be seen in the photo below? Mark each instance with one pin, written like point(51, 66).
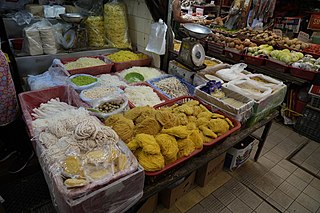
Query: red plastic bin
point(277, 65)
point(161, 96)
point(119, 66)
point(233, 54)
point(257, 61)
point(32, 99)
point(301, 73)
point(95, 70)
point(185, 99)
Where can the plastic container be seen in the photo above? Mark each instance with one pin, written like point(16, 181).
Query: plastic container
point(309, 124)
point(16, 43)
point(314, 92)
point(119, 66)
point(303, 74)
point(95, 70)
point(185, 99)
point(276, 65)
point(80, 88)
point(233, 54)
point(32, 99)
point(257, 61)
point(113, 98)
point(160, 95)
point(151, 82)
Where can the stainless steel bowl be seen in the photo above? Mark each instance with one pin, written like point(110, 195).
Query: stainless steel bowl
point(75, 18)
point(197, 31)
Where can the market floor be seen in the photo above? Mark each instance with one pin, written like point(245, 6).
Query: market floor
point(286, 178)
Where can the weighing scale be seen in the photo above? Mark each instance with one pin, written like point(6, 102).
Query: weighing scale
point(76, 36)
point(191, 53)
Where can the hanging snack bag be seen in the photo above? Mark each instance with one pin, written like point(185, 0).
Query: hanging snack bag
point(116, 24)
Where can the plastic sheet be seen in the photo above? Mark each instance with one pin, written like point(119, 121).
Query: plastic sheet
point(116, 24)
point(233, 73)
point(22, 17)
point(265, 81)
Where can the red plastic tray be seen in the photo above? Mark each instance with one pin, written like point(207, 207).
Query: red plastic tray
point(304, 74)
point(233, 54)
point(258, 61)
point(32, 99)
point(277, 65)
point(215, 47)
point(185, 99)
point(119, 66)
point(96, 70)
point(161, 96)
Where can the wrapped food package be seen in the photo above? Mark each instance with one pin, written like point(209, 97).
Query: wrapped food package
point(48, 40)
point(32, 44)
point(116, 24)
point(95, 29)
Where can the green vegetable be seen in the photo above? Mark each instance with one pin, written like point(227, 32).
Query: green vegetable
point(83, 80)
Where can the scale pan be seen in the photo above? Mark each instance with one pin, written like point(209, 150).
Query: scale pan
point(75, 18)
point(197, 31)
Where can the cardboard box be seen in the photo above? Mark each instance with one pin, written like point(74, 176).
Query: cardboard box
point(149, 205)
point(239, 154)
point(210, 170)
point(170, 195)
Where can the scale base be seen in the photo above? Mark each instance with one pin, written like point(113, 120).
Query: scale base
point(192, 68)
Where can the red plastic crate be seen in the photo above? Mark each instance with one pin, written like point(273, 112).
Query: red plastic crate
point(185, 99)
point(277, 65)
point(161, 96)
point(96, 70)
point(119, 66)
point(258, 61)
point(301, 73)
point(32, 99)
point(215, 47)
point(233, 54)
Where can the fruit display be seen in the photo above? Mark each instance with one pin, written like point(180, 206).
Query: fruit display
point(286, 56)
point(308, 63)
point(260, 51)
point(160, 137)
point(238, 44)
point(313, 49)
point(224, 30)
point(218, 38)
point(293, 44)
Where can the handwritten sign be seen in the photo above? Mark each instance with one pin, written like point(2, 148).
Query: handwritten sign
point(278, 32)
point(314, 22)
point(302, 36)
point(199, 11)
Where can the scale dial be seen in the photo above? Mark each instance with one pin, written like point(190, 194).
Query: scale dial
point(198, 54)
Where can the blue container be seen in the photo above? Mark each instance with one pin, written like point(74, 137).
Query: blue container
point(190, 87)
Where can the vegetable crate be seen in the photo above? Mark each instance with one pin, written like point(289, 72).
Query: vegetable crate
point(215, 48)
point(32, 99)
point(160, 95)
point(95, 70)
point(277, 65)
point(309, 124)
point(314, 92)
point(185, 99)
point(303, 74)
point(257, 61)
point(233, 54)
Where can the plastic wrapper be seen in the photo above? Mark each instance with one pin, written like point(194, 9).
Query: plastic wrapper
point(95, 30)
point(22, 17)
point(225, 106)
point(47, 36)
point(116, 24)
point(55, 76)
point(80, 88)
point(157, 38)
point(94, 94)
point(53, 11)
point(120, 99)
point(32, 41)
point(265, 81)
point(249, 88)
point(232, 73)
point(32, 99)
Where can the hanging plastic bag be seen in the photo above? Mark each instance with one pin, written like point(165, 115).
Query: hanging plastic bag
point(157, 38)
point(116, 24)
point(232, 73)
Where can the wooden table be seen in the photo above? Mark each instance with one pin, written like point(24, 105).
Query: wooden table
point(156, 184)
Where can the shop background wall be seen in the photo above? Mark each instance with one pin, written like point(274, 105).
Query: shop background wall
point(140, 21)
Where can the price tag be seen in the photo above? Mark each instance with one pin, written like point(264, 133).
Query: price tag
point(314, 22)
point(199, 11)
point(212, 2)
point(278, 32)
point(302, 36)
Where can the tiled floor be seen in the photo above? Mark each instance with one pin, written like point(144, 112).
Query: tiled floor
point(278, 182)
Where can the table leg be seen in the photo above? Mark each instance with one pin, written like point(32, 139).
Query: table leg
point(263, 139)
